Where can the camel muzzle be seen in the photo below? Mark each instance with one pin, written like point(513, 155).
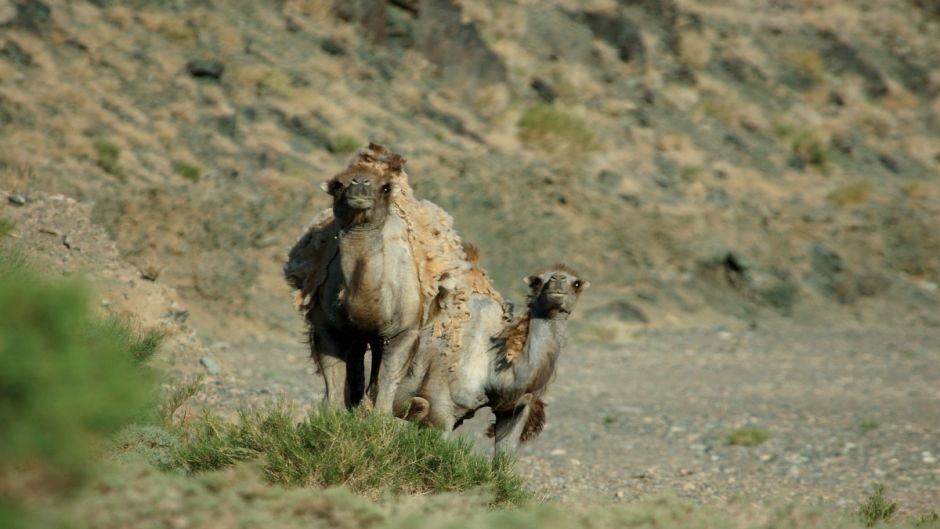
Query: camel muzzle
point(359, 195)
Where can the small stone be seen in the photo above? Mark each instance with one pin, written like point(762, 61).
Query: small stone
point(205, 68)
point(558, 452)
point(927, 457)
point(619, 494)
point(17, 199)
point(698, 447)
point(685, 472)
point(212, 367)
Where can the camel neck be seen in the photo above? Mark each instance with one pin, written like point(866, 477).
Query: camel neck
point(361, 257)
point(533, 370)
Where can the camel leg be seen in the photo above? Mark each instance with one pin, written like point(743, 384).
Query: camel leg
point(332, 361)
point(509, 424)
point(392, 368)
point(355, 373)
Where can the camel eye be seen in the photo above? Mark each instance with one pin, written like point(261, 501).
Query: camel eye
point(387, 189)
point(577, 284)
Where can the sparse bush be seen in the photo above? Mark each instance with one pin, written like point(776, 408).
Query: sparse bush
point(850, 194)
point(108, 156)
point(549, 128)
point(877, 508)
point(187, 170)
point(344, 144)
point(68, 382)
point(746, 437)
point(809, 149)
point(371, 454)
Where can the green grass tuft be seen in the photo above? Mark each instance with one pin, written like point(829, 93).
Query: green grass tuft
point(868, 424)
point(108, 156)
point(343, 144)
point(6, 227)
point(370, 454)
point(877, 508)
point(549, 128)
point(746, 437)
point(187, 170)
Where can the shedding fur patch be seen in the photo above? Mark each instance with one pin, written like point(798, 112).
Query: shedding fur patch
point(535, 422)
point(511, 341)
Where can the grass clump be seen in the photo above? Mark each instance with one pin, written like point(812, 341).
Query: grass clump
point(746, 437)
point(187, 170)
point(550, 128)
point(6, 227)
point(370, 454)
point(108, 156)
point(810, 150)
point(344, 144)
point(850, 194)
point(877, 508)
point(868, 424)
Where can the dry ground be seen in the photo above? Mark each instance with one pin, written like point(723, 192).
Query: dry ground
point(843, 408)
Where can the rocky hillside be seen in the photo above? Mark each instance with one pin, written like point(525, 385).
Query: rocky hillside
point(701, 161)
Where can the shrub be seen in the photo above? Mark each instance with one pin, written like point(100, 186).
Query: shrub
point(68, 380)
point(187, 170)
point(549, 128)
point(344, 144)
point(108, 155)
point(877, 507)
point(746, 437)
point(371, 454)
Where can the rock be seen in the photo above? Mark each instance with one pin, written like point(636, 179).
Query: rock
point(927, 457)
point(456, 47)
point(889, 163)
point(742, 71)
point(11, 50)
point(17, 199)
point(619, 310)
point(621, 33)
point(543, 89)
point(840, 58)
point(212, 367)
point(207, 68)
point(33, 15)
point(331, 47)
point(608, 178)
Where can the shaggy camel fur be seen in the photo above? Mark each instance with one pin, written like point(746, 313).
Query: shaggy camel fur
point(368, 271)
point(506, 367)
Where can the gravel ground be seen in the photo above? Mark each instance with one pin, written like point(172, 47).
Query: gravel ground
point(843, 410)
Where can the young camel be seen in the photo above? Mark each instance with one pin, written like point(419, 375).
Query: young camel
point(506, 367)
point(369, 295)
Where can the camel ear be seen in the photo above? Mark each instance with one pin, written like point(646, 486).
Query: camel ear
point(325, 186)
point(585, 285)
point(533, 281)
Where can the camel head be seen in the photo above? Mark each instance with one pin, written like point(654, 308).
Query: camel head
point(362, 197)
point(554, 291)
